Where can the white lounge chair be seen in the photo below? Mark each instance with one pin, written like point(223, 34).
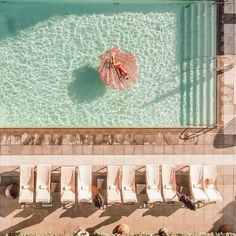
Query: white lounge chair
point(43, 184)
point(67, 184)
point(210, 183)
point(26, 194)
point(153, 184)
point(128, 184)
point(169, 183)
point(84, 184)
point(196, 183)
point(113, 184)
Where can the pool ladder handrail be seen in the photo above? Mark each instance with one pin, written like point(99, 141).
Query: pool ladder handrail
point(202, 68)
point(221, 2)
point(213, 3)
point(189, 58)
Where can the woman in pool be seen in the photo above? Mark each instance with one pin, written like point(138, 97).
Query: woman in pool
point(123, 72)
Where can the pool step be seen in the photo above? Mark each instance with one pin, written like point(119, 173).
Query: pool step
point(3, 26)
point(199, 82)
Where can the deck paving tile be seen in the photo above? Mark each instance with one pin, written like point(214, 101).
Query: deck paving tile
point(87, 149)
point(128, 149)
point(36, 150)
point(148, 149)
point(228, 150)
point(98, 149)
point(208, 149)
point(57, 150)
point(77, 149)
point(67, 149)
point(138, 149)
point(218, 150)
point(189, 149)
point(118, 149)
point(108, 149)
point(179, 149)
point(47, 150)
point(26, 150)
point(158, 149)
point(169, 149)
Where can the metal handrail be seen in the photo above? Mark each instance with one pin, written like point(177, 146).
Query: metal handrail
point(214, 3)
point(189, 58)
point(222, 2)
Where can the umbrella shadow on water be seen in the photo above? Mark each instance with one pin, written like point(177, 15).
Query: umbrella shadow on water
point(86, 85)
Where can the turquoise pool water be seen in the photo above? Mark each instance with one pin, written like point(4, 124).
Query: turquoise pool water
point(50, 55)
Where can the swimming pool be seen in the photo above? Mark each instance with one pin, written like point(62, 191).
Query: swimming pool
point(50, 55)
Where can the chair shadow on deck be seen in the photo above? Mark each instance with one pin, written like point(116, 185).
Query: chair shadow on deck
point(115, 213)
point(82, 210)
point(34, 216)
point(163, 209)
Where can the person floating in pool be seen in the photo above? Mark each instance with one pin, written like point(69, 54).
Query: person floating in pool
point(123, 72)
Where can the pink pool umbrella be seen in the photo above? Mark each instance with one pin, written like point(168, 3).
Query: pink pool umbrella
point(118, 69)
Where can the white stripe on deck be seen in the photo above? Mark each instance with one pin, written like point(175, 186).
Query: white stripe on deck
point(59, 160)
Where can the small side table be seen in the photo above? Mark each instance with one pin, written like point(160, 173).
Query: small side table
point(12, 191)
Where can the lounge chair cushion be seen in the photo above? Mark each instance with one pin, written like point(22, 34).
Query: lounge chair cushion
point(168, 186)
point(25, 187)
point(197, 185)
point(85, 195)
point(154, 195)
point(43, 195)
point(68, 196)
point(43, 187)
point(199, 194)
point(26, 196)
point(213, 194)
point(67, 187)
point(152, 187)
point(113, 196)
point(129, 195)
point(127, 188)
point(85, 188)
point(211, 186)
point(112, 187)
point(170, 195)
